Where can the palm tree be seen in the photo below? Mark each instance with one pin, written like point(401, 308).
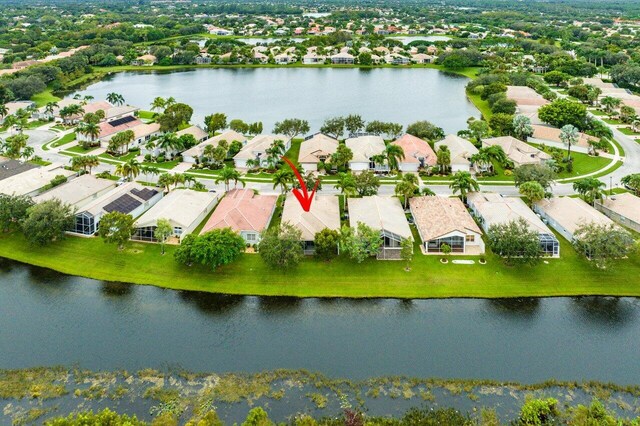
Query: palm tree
point(167, 143)
point(443, 158)
point(91, 161)
point(50, 107)
point(89, 129)
point(569, 135)
point(158, 104)
point(590, 189)
point(127, 137)
point(189, 180)
point(283, 178)
point(27, 153)
point(178, 178)
point(165, 180)
point(149, 170)
point(3, 110)
point(228, 174)
point(129, 169)
point(394, 153)
point(274, 153)
point(346, 184)
point(10, 121)
point(169, 101)
point(407, 188)
point(70, 111)
point(463, 183)
point(115, 98)
point(610, 104)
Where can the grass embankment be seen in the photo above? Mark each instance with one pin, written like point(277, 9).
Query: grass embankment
point(142, 264)
point(43, 98)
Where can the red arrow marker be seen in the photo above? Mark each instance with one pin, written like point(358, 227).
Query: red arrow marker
point(303, 196)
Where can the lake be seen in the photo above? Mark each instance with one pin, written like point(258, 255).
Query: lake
point(50, 318)
point(273, 94)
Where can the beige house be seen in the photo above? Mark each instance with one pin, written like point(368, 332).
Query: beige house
point(31, 181)
point(567, 214)
point(195, 153)
point(495, 209)
point(256, 150)
point(323, 214)
point(315, 149)
point(185, 209)
point(543, 134)
point(196, 131)
point(384, 214)
point(78, 192)
point(442, 220)
point(364, 148)
point(461, 152)
point(517, 151)
point(622, 208)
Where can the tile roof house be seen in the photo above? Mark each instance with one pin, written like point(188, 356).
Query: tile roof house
point(364, 148)
point(622, 208)
point(185, 209)
point(31, 181)
point(461, 152)
point(195, 153)
point(384, 214)
point(442, 220)
point(417, 153)
point(256, 149)
point(567, 214)
point(245, 212)
point(78, 192)
point(342, 58)
point(196, 131)
point(324, 213)
point(10, 168)
point(315, 149)
point(543, 134)
point(519, 152)
point(495, 209)
point(130, 198)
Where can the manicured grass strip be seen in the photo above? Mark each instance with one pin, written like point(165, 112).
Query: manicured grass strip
point(143, 264)
point(167, 165)
point(125, 157)
point(69, 137)
point(627, 131)
point(80, 150)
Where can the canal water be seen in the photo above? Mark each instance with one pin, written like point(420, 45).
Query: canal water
point(47, 318)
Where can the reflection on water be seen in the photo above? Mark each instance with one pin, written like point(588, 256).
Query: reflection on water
point(104, 325)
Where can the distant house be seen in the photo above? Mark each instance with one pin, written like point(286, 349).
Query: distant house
point(244, 211)
point(144, 60)
point(342, 58)
point(386, 215)
point(203, 60)
point(195, 153)
point(196, 131)
point(284, 59)
point(622, 208)
point(143, 133)
point(417, 153)
point(494, 209)
point(316, 149)
point(397, 59)
point(130, 198)
point(31, 181)
point(110, 128)
point(441, 220)
point(567, 214)
point(544, 134)
point(364, 148)
point(185, 209)
point(13, 107)
point(461, 152)
point(256, 150)
point(78, 192)
point(519, 152)
point(422, 58)
point(313, 58)
point(324, 213)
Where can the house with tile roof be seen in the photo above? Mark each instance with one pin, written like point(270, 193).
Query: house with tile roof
point(244, 211)
point(195, 153)
point(461, 152)
point(256, 150)
point(364, 148)
point(316, 149)
point(442, 220)
point(417, 153)
point(517, 151)
point(567, 214)
point(323, 214)
point(384, 214)
point(622, 208)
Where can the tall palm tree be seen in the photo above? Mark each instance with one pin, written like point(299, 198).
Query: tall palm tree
point(165, 180)
point(149, 170)
point(3, 110)
point(346, 184)
point(394, 154)
point(167, 143)
point(115, 98)
point(283, 178)
point(463, 183)
point(91, 161)
point(228, 174)
point(158, 104)
point(443, 158)
point(127, 137)
point(169, 101)
point(130, 169)
point(406, 189)
point(90, 130)
point(569, 135)
point(27, 153)
point(50, 107)
point(275, 153)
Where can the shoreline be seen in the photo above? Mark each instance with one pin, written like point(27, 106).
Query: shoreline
point(142, 264)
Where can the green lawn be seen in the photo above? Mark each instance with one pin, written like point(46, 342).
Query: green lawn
point(78, 149)
point(610, 121)
point(582, 164)
point(147, 115)
point(167, 165)
point(627, 131)
point(35, 123)
point(483, 106)
point(69, 137)
point(43, 98)
point(143, 264)
point(125, 157)
point(598, 112)
point(294, 151)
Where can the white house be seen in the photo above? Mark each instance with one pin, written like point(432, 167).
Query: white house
point(316, 149)
point(256, 150)
point(364, 148)
point(567, 214)
point(461, 151)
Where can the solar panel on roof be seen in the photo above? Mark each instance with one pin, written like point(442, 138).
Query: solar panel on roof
point(124, 204)
point(121, 121)
point(144, 194)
